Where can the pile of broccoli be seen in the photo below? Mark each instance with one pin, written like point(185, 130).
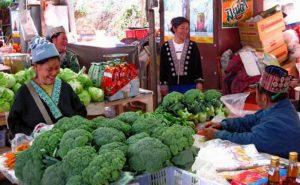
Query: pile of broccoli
point(78, 151)
point(194, 105)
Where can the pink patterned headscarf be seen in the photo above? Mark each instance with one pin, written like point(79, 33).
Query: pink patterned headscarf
point(275, 79)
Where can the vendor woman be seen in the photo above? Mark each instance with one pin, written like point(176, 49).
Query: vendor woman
point(67, 58)
point(45, 91)
point(180, 63)
point(275, 129)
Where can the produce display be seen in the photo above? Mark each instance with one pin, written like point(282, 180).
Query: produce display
point(80, 82)
point(112, 75)
point(194, 105)
point(99, 151)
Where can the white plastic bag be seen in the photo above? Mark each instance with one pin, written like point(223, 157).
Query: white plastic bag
point(19, 139)
point(235, 103)
point(28, 29)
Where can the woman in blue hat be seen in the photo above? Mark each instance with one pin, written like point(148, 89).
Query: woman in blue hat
point(275, 129)
point(44, 99)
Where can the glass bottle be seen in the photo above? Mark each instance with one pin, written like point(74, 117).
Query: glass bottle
point(292, 169)
point(298, 178)
point(273, 172)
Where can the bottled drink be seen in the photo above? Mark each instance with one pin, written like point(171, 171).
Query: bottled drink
point(297, 181)
point(273, 172)
point(292, 169)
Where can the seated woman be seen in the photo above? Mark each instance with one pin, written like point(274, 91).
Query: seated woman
point(44, 99)
point(67, 58)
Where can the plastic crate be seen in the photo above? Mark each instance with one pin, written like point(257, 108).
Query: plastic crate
point(137, 33)
point(168, 176)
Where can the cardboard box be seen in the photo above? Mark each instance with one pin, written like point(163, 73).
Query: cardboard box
point(257, 31)
point(274, 41)
point(129, 90)
point(281, 53)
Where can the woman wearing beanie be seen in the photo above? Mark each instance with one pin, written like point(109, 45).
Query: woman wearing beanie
point(44, 99)
point(180, 63)
point(67, 58)
point(275, 129)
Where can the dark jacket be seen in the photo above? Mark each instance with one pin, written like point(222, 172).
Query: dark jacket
point(275, 130)
point(25, 115)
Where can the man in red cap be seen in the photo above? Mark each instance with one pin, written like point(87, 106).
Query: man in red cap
point(275, 129)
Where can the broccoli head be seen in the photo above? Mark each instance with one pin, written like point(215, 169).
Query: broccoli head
point(114, 146)
point(134, 138)
point(193, 95)
point(148, 154)
point(54, 175)
point(29, 168)
point(145, 125)
point(72, 139)
point(47, 142)
point(212, 94)
point(117, 124)
point(71, 123)
point(105, 135)
point(173, 102)
point(104, 168)
point(75, 180)
point(95, 123)
point(77, 160)
point(128, 117)
point(177, 138)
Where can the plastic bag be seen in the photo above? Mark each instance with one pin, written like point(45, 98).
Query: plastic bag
point(235, 103)
point(41, 128)
point(20, 139)
point(28, 28)
point(291, 38)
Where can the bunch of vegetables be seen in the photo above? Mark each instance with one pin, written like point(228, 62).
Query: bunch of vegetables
point(99, 151)
point(82, 86)
point(10, 84)
point(194, 105)
point(80, 82)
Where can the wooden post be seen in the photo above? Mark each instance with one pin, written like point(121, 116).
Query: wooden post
point(152, 45)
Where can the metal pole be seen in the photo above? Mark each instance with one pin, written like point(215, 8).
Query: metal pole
point(153, 65)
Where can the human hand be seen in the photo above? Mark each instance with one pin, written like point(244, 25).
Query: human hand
point(213, 125)
point(209, 133)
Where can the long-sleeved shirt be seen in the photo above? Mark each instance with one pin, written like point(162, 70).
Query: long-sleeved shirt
point(25, 115)
point(275, 130)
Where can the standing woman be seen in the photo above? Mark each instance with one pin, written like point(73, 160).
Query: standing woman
point(180, 63)
point(44, 99)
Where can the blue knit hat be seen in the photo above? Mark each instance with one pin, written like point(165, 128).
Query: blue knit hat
point(42, 49)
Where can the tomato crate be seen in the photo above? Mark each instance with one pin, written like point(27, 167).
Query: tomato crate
point(137, 33)
point(171, 176)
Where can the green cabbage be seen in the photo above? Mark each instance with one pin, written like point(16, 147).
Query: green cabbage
point(7, 80)
point(85, 80)
point(67, 75)
point(4, 106)
point(96, 94)
point(84, 97)
point(76, 86)
point(16, 87)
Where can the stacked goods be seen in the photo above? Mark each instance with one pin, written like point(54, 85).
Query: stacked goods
point(194, 105)
point(81, 151)
point(9, 85)
point(112, 76)
point(265, 34)
point(81, 84)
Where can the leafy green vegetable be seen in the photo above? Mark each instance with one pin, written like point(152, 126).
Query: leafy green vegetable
point(84, 97)
point(97, 95)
